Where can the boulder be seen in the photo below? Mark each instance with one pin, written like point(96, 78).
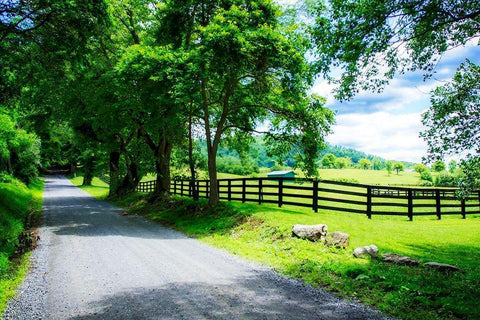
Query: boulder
point(337, 239)
point(399, 259)
point(310, 232)
point(370, 250)
point(443, 266)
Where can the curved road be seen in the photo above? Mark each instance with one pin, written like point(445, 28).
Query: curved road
point(93, 263)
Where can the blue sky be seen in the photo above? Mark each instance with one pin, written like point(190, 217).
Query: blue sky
point(388, 124)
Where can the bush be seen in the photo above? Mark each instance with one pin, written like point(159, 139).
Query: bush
point(426, 183)
point(426, 176)
point(346, 180)
point(15, 199)
point(445, 179)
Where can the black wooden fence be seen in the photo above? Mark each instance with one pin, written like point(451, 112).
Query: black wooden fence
point(333, 195)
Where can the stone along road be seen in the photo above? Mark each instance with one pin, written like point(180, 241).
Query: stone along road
point(93, 263)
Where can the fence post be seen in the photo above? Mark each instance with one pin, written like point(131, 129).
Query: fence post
point(174, 186)
point(369, 202)
point(190, 188)
point(229, 190)
point(280, 192)
point(260, 190)
point(198, 188)
point(207, 192)
point(244, 190)
point(438, 204)
point(479, 198)
point(410, 205)
point(181, 188)
point(463, 209)
point(315, 195)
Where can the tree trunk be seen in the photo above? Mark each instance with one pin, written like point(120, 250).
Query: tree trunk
point(162, 166)
point(89, 169)
point(214, 197)
point(114, 172)
point(130, 181)
point(191, 161)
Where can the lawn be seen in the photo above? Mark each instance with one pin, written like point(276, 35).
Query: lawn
point(262, 233)
point(98, 189)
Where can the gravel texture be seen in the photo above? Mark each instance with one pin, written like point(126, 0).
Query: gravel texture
point(94, 263)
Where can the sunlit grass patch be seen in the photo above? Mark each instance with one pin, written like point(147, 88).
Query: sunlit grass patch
point(262, 233)
point(98, 189)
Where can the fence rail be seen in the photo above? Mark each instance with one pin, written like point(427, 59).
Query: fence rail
point(332, 195)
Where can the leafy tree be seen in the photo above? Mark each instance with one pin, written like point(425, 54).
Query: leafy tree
point(328, 160)
point(19, 150)
point(341, 163)
point(452, 166)
point(426, 176)
point(452, 122)
point(378, 163)
point(364, 164)
point(242, 68)
point(420, 168)
point(445, 179)
point(438, 166)
point(398, 166)
point(371, 41)
point(389, 166)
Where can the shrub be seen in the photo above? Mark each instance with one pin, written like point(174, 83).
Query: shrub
point(426, 176)
point(420, 168)
point(445, 179)
point(425, 183)
point(346, 180)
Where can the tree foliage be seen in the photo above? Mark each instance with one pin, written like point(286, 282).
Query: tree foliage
point(398, 167)
point(453, 120)
point(371, 41)
point(365, 164)
point(328, 161)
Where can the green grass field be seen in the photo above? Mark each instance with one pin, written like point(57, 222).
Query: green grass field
point(16, 203)
point(262, 233)
point(98, 189)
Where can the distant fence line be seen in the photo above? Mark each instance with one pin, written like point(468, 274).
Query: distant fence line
point(332, 195)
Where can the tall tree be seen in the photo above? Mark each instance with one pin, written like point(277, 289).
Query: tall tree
point(372, 41)
point(242, 69)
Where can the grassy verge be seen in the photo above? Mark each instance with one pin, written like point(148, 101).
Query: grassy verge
point(98, 189)
point(262, 233)
point(19, 205)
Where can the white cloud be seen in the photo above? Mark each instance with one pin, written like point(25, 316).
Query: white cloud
point(384, 134)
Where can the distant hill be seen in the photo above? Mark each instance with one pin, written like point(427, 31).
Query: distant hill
point(229, 160)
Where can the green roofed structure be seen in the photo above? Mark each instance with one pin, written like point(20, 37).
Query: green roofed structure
point(281, 174)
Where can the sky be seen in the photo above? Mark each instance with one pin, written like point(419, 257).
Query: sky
point(388, 124)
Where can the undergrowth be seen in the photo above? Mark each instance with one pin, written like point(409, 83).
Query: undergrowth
point(19, 208)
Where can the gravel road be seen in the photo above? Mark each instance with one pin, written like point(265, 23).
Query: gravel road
point(94, 263)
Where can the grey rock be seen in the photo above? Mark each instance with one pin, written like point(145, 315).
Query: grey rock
point(310, 232)
point(338, 239)
point(399, 259)
point(371, 250)
point(443, 266)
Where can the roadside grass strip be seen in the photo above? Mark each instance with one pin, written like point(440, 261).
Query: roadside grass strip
point(18, 204)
